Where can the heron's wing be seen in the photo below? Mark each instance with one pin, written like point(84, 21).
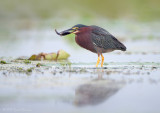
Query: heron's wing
point(103, 39)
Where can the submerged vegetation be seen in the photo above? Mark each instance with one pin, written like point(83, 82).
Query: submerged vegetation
point(27, 62)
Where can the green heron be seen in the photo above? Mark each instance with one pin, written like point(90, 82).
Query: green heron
point(95, 39)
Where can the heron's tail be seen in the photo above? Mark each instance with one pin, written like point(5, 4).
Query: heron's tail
point(122, 47)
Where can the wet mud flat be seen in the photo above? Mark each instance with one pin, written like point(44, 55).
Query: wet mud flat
point(49, 86)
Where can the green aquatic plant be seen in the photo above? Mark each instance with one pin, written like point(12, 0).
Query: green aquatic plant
point(30, 69)
point(27, 62)
point(3, 62)
point(38, 64)
point(21, 69)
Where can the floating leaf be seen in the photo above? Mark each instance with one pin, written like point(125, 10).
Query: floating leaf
point(33, 57)
point(62, 55)
point(40, 56)
point(50, 56)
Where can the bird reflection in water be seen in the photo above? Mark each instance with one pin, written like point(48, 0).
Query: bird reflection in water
point(96, 92)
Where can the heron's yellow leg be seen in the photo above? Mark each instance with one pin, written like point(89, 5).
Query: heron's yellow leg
point(102, 60)
point(98, 61)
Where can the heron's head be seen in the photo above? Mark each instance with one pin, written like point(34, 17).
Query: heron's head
point(74, 29)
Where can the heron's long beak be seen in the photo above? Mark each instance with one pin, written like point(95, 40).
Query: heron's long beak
point(66, 32)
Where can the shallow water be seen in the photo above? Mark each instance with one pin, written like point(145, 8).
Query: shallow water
point(124, 87)
point(81, 93)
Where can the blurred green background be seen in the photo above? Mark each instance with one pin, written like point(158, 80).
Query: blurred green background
point(144, 10)
point(28, 13)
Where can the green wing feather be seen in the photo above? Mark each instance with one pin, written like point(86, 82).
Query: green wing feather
point(103, 39)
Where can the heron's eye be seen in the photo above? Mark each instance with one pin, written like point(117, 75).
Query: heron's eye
point(75, 28)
